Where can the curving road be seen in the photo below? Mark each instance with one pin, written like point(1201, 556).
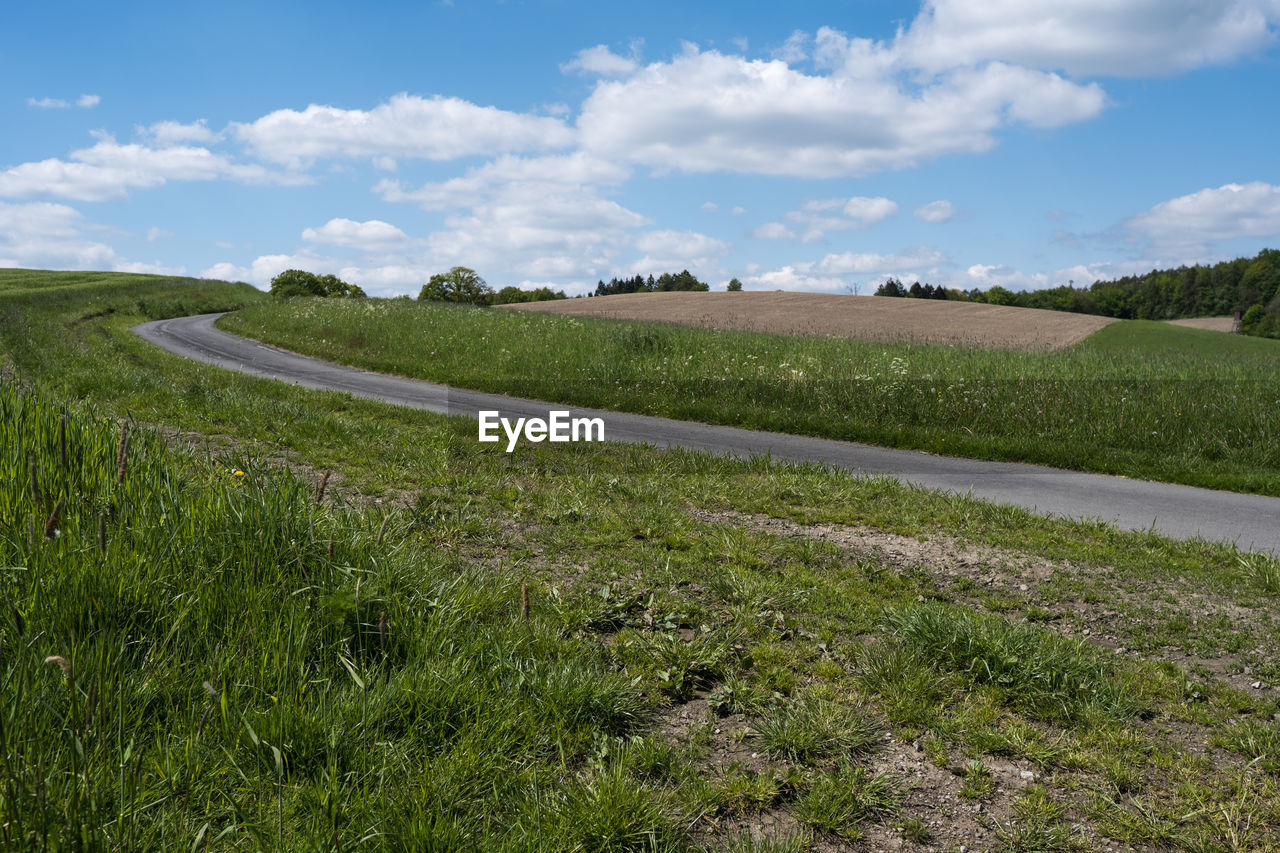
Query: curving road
point(1251, 522)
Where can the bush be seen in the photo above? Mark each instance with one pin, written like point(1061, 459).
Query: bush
point(303, 283)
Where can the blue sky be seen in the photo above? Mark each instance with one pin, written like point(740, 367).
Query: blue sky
point(805, 146)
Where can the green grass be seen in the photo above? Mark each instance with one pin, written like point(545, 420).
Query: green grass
point(1141, 399)
point(457, 723)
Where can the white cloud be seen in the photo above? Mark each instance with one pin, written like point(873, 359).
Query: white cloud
point(541, 216)
point(51, 236)
point(791, 278)
point(831, 273)
point(680, 245)
point(773, 231)
point(1089, 37)
point(507, 173)
point(705, 111)
point(991, 275)
point(167, 133)
point(818, 216)
point(795, 49)
point(738, 210)
point(935, 211)
point(389, 279)
point(862, 263)
point(868, 211)
point(154, 268)
point(373, 235)
point(84, 101)
point(406, 126)
point(385, 164)
point(110, 170)
point(155, 233)
point(1187, 224)
point(710, 206)
point(601, 61)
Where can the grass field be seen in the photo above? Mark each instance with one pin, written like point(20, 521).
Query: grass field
point(1142, 399)
point(716, 654)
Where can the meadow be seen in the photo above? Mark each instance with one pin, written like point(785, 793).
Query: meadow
point(273, 618)
point(1140, 399)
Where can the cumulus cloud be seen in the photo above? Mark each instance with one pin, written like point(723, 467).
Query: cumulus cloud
point(861, 263)
point(406, 126)
point(1189, 223)
point(377, 279)
point(1089, 37)
point(710, 206)
point(675, 250)
point(818, 216)
point(51, 236)
point(88, 101)
point(110, 169)
point(791, 278)
point(705, 111)
point(868, 211)
point(373, 235)
point(553, 173)
point(174, 132)
point(832, 272)
point(542, 216)
point(773, 231)
point(935, 211)
point(600, 61)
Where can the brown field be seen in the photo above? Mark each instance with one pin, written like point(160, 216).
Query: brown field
point(873, 318)
point(1213, 324)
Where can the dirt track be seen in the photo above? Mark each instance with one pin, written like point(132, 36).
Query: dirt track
point(875, 318)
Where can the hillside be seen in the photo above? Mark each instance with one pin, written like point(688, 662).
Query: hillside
point(868, 318)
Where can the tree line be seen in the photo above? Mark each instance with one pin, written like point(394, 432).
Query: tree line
point(1248, 285)
point(683, 280)
point(459, 284)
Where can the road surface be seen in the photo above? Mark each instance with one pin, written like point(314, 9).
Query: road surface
point(1251, 522)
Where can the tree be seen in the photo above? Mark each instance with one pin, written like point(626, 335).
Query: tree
point(891, 287)
point(735, 286)
point(303, 283)
point(460, 284)
point(997, 295)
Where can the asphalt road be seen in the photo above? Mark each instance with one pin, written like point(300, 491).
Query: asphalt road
point(1249, 521)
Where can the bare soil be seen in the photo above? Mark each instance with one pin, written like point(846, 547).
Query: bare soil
point(1213, 324)
point(872, 318)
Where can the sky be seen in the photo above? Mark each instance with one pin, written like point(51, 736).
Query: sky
point(798, 146)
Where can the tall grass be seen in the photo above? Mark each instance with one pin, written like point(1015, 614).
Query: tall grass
point(1161, 402)
point(191, 653)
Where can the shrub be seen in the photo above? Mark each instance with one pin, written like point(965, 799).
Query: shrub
point(303, 283)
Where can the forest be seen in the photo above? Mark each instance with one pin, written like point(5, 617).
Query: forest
point(1248, 285)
